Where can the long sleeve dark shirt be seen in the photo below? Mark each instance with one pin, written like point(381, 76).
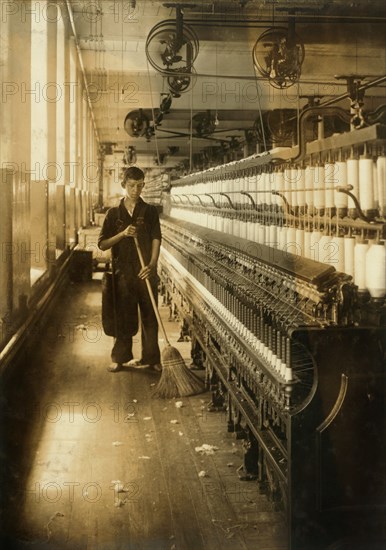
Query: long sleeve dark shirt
point(145, 217)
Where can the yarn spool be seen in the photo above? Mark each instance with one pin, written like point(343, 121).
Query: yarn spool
point(330, 181)
point(209, 221)
point(296, 177)
point(353, 180)
point(315, 246)
point(381, 185)
point(326, 252)
point(247, 229)
point(360, 265)
point(225, 223)
point(300, 185)
point(338, 253)
point(288, 375)
point(319, 186)
point(299, 239)
point(268, 188)
point(349, 255)
point(266, 234)
point(375, 186)
point(273, 236)
point(200, 218)
point(256, 232)
point(294, 197)
point(376, 270)
point(283, 368)
point(263, 188)
point(220, 222)
point(251, 231)
point(259, 189)
point(287, 184)
point(245, 182)
point(261, 234)
point(341, 199)
point(279, 186)
point(244, 229)
point(236, 227)
point(282, 237)
point(214, 220)
point(291, 240)
point(366, 185)
point(307, 244)
point(232, 222)
point(309, 186)
point(273, 187)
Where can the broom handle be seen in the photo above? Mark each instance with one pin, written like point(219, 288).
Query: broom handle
point(150, 291)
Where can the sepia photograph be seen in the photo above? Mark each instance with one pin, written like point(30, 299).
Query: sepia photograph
point(193, 275)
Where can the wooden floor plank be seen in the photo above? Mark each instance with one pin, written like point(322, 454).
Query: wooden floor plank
point(74, 430)
point(189, 506)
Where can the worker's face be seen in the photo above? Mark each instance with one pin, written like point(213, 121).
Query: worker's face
point(134, 188)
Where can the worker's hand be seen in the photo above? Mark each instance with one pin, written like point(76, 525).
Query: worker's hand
point(130, 231)
point(147, 271)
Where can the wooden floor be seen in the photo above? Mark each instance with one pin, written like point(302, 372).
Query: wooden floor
point(91, 461)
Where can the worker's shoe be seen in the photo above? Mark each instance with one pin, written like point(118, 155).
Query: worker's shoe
point(115, 368)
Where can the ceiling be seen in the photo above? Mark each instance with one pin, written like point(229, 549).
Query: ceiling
point(339, 38)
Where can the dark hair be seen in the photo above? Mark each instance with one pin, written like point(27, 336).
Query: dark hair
point(132, 173)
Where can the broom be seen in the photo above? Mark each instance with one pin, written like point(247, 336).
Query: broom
point(176, 379)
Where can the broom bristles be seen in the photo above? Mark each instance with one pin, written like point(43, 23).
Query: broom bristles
point(176, 379)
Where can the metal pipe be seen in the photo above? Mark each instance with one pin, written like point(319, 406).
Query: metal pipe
point(370, 84)
point(229, 200)
point(305, 115)
point(242, 77)
point(199, 198)
point(307, 19)
point(214, 202)
point(250, 198)
point(174, 197)
point(189, 201)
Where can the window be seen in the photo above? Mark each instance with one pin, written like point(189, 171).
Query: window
point(39, 148)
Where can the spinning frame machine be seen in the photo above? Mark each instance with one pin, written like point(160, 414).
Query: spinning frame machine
point(276, 266)
point(276, 263)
